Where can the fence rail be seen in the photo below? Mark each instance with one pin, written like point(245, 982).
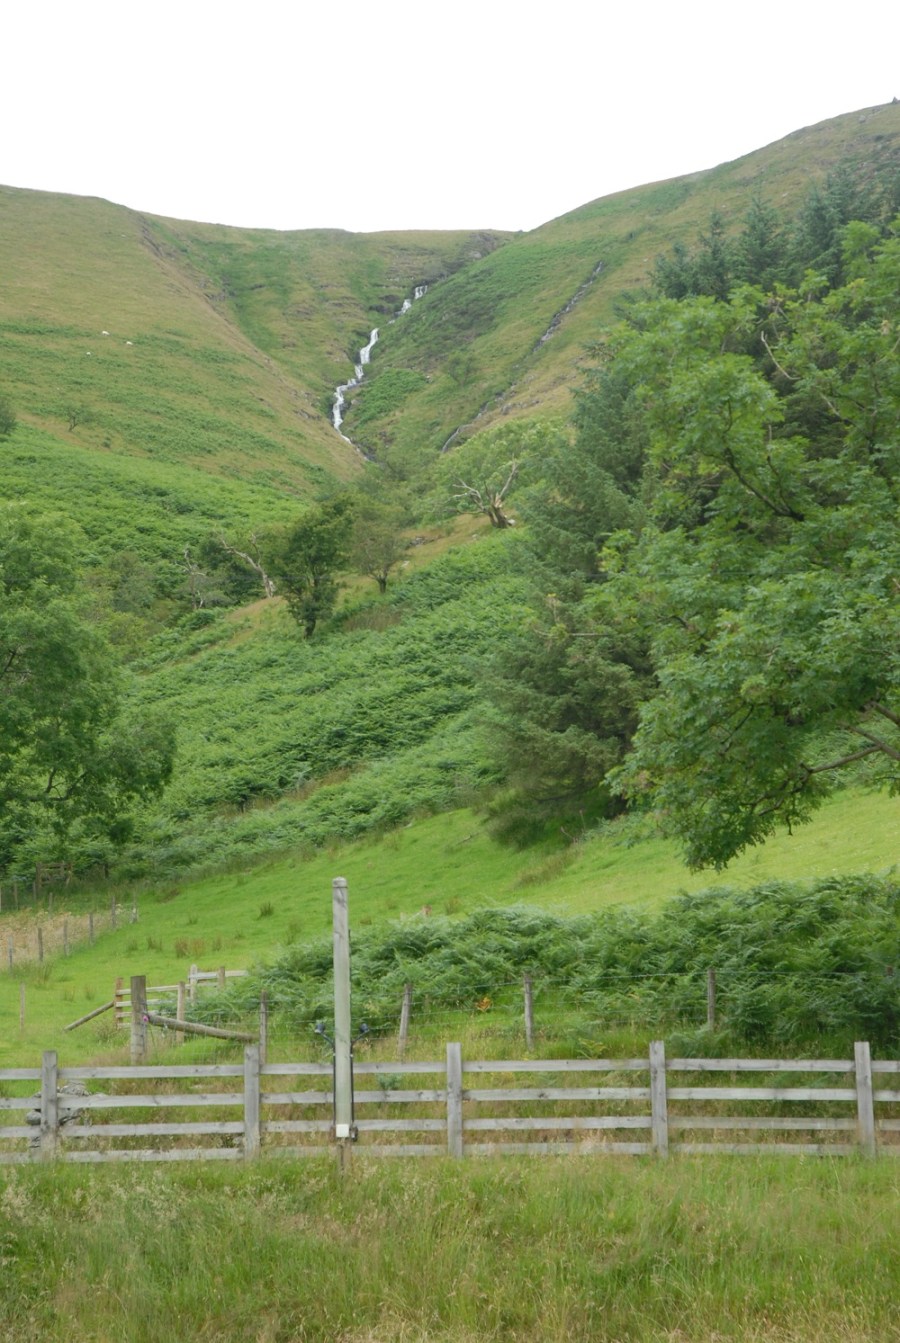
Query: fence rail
point(840, 1106)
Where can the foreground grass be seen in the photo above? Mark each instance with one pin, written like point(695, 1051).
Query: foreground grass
point(554, 1250)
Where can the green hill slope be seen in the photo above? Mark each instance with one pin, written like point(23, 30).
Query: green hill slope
point(505, 336)
point(173, 381)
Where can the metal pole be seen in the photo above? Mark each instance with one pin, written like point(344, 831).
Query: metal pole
point(343, 1063)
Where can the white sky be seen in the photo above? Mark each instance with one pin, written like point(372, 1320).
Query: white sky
point(384, 114)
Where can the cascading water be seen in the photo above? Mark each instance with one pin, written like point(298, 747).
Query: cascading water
point(359, 369)
point(359, 372)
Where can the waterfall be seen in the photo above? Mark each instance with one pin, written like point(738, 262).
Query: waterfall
point(359, 372)
point(359, 369)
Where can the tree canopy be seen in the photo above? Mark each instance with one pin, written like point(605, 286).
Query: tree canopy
point(70, 755)
point(766, 574)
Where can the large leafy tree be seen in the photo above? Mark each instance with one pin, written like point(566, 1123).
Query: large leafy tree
point(767, 575)
point(70, 756)
point(304, 559)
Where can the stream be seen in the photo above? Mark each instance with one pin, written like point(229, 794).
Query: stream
point(359, 368)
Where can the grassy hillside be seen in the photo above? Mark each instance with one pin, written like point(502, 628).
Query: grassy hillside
point(172, 381)
point(505, 336)
point(448, 863)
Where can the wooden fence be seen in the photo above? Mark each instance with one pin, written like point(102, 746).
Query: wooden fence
point(830, 1107)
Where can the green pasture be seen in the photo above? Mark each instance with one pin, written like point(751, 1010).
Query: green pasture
point(445, 864)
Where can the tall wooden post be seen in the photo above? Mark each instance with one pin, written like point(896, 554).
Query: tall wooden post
point(180, 1008)
point(659, 1108)
point(711, 999)
point(251, 1102)
point(343, 1061)
point(865, 1102)
point(529, 1013)
point(405, 1009)
point(49, 1105)
point(454, 1100)
point(192, 983)
point(263, 1027)
point(220, 979)
point(138, 1018)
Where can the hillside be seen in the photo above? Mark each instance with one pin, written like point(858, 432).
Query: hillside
point(505, 336)
point(173, 384)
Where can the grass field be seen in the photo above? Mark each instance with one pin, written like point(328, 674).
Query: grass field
point(447, 863)
point(773, 1251)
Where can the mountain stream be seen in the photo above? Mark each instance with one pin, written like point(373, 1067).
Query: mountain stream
point(359, 368)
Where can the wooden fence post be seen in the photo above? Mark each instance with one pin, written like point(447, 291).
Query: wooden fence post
point(220, 979)
point(263, 1027)
point(138, 1018)
point(865, 1103)
point(181, 994)
point(192, 983)
point(454, 1100)
point(711, 999)
point(49, 1105)
point(251, 1102)
point(659, 1110)
point(118, 1009)
point(405, 1009)
point(40, 944)
point(529, 1013)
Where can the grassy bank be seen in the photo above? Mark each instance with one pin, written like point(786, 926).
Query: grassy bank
point(574, 1250)
point(448, 864)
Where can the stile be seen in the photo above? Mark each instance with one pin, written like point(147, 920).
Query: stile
point(659, 1109)
point(865, 1104)
point(454, 1100)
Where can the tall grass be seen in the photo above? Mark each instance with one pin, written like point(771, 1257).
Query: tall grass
point(500, 1250)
